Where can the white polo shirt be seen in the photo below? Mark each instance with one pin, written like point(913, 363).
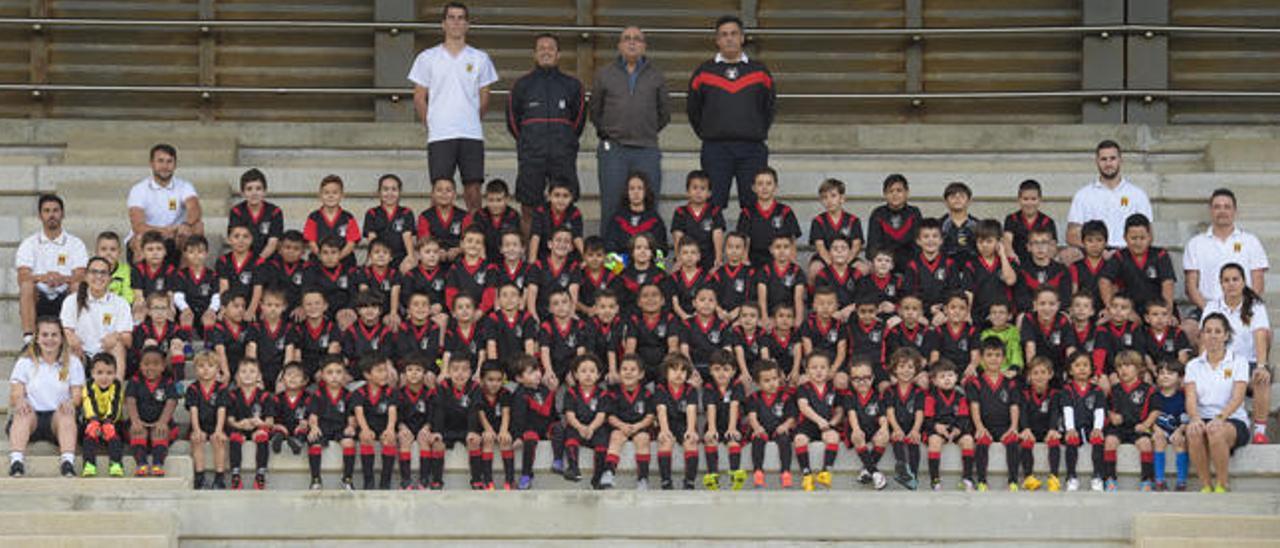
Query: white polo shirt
point(453, 85)
point(1207, 254)
point(110, 314)
point(1214, 384)
point(45, 384)
point(1096, 202)
point(42, 255)
point(1242, 335)
point(163, 205)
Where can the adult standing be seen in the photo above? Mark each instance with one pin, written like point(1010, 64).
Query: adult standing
point(45, 390)
point(546, 111)
point(731, 105)
point(450, 95)
point(50, 264)
point(97, 320)
point(1251, 341)
point(1224, 242)
point(1110, 199)
point(163, 203)
point(1215, 386)
point(629, 107)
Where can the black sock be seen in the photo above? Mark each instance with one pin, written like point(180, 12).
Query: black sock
point(1011, 451)
point(913, 458)
point(980, 455)
point(1099, 466)
point(486, 462)
point(527, 453)
point(366, 464)
point(158, 453)
point(262, 454)
point(140, 453)
point(597, 465)
point(966, 464)
point(115, 449)
point(509, 466)
point(802, 456)
point(1055, 458)
point(664, 465)
point(757, 453)
point(735, 458)
point(571, 456)
point(556, 436)
point(1027, 459)
point(784, 454)
point(388, 466)
point(713, 459)
point(313, 460)
point(690, 465)
point(935, 462)
point(348, 462)
point(900, 455)
point(829, 454)
point(235, 455)
point(437, 467)
point(89, 449)
point(474, 465)
point(1072, 458)
point(642, 466)
point(873, 458)
point(406, 467)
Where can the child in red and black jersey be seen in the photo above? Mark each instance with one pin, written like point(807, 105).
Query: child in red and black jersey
point(413, 420)
point(931, 275)
point(264, 219)
point(471, 275)
point(735, 279)
point(158, 330)
point(236, 267)
point(509, 331)
point(384, 278)
point(292, 410)
point(989, 276)
point(594, 278)
point(705, 333)
point(391, 223)
point(314, 337)
point(559, 211)
point(822, 332)
point(282, 271)
point(491, 419)
point(1130, 419)
point(700, 221)
point(1086, 274)
point(418, 334)
point(994, 401)
point(675, 403)
point(442, 222)
point(946, 416)
point(636, 215)
point(368, 336)
point(1040, 271)
point(685, 282)
point(892, 226)
point(912, 332)
point(781, 281)
point(904, 401)
point(1047, 332)
point(722, 400)
point(834, 223)
point(194, 286)
point(630, 411)
point(868, 427)
point(562, 337)
point(330, 420)
point(1161, 340)
point(585, 414)
point(839, 276)
point(267, 340)
point(607, 334)
point(642, 269)
point(1019, 224)
point(251, 414)
point(882, 284)
point(784, 344)
point(331, 221)
point(494, 218)
point(511, 267)
point(653, 332)
point(150, 400)
point(768, 220)
point(534, 418)
point(151, 274)
point(1040, 410)
point(749, 340)
point(771, 415)
point(229, 336)
point(1142, 271)
point(427, 278)
point(453, 399)
point(555, 273)
point(334, 279)
point(819, 419)
point(206, 402)
point(463, 334)
point(1113, 336)
point(867, 341)
point(1083, 406)
point(957, 338)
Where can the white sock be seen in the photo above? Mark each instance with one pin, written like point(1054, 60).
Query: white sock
point(1259, 428)
point(69, 457)
point(15, 456)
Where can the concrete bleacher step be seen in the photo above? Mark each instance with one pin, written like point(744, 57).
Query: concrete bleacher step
point(23, 529)
point(1188, 530)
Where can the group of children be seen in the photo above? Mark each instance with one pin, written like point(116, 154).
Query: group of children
point(458, 328)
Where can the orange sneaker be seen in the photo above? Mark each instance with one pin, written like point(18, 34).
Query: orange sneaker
point(157, 471)
point(142, 471)
point(758, 479)
point(786, 480)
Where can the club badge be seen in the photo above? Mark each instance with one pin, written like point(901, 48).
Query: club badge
point(342, 282)
point(455, 228)
point(731, 73)
point(264, 229)
point(246, 278)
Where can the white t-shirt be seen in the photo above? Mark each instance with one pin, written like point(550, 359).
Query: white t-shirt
point(1214, 384)
point(453, 90)
point(110, 314)
point(1242, 335)
point(44, 382)
point(163, 205)
point(1207, 255)
point(1096, 202)
point(63, 255)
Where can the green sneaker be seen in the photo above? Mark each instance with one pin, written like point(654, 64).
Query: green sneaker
point(90, 470)
point(116, 470)
point(739, 479)
point(1219, 489)
point(711, 482)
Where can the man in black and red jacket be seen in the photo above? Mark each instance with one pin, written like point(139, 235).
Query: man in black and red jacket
point(731, 105)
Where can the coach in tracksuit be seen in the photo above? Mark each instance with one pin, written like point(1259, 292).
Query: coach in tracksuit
point(731, 105)
point(546, 112)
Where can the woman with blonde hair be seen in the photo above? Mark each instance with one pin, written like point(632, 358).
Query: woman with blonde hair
point(47, 385)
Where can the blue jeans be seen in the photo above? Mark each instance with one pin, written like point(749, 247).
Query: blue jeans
point(614, 163)
point(725, 161)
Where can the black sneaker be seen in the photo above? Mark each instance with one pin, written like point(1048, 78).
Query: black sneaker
point(17, 469)
point(384, 485)
point(367, 484)
point(68, 470)
point(316, 484)
point(295, 443)
point(199, 482)
point(688, 485)
point(572, 473)
point(277, 442)
point(436, 485)
point(666, 484)
point(220, 482)
point(406, 485)
point(348, 485)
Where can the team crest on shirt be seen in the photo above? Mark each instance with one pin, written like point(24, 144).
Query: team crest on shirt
point(297, 279)
point(256, 410)
point(324, 340)
point(437, 285)
point(731, 73)
point(919, 339)
point(635, 220)
point(106, 319)
point(520, 281)
point(397, 225)
point(1151, 272)
point(1088, 346)
point(206, 289)
point(726, 397)
point(1237, 247)
point(571, 340)
point(847, 231)
point(1226, 373)
point(1168, 344)
point(739, 286)
point(1124, 201)
point(159, 284)
point(962, 240)
point(426, 342)
point(941, 274)
point(1041, 277)
point(564, 280)
point(465, 400)
point(1044, 406)
point(873, 409)
point(1090, 400)
point(300, 413)
point(660, 330)
point(1003, 396)
point(455, 228)
point(280, 344)
point(518, 331)
point(1055, 339)
point(830, 398)
point(1136, 397)
point(62, 259)
point(706, 225)
point(638, 407)
point(342, 281)
point(789, 280)
point(714, 336)
point(173, 204)
point(777, 223)
point(480, 277)
point(386, 286)
point(159, 394)
point(373, 344)
point(342, 232)
point(833, 337)
point(777, 409)
point(382, 408)
point(963, 345)
point(895, 221)
point(264, 229)
point(1127, 340)
point(890, 290)
point(246, 278)
point(874, 336)
point(421, 407)
point(642, 277)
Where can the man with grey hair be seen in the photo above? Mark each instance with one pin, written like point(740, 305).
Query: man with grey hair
point(629, 107)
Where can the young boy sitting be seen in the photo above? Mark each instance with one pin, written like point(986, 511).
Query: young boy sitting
point(946, 415)
point(1171, 402)
point(771, 414)
point(373, 407)
point(820, 416)
point(868, 426)
point(995, 409)
point(1130, 419)
point(768, 220)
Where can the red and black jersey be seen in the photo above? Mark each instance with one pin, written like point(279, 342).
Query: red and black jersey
point(867, 407)
point(958, 240)
point(771, 410)
point(633, 278)
point(330, 409)
point(266, 224)
point(845, 284)
point(653, 337)
point(204, 401)
point(1110, 339)
point(894, 230)
point(564, 340)
point(1085, 275)
point(519, 275)
point(1039, 410)
point(731, 101)
point(342, 225)
point(493, 227)
point(509, 332)
point(921, 337)
point(1082, 400)
point(550, 277)
point(376, 405)
point(1032, 277)
point(1086, 338)
point(532, 410)
point(430, 282)
point(274, 273)
point(545, 220)
point(779, 284)
point(932, 280)
point(313, 341)
point(366, 340)
point(150, 280)
point(1052, 339)
point(253, 403)
point(675, 401)
point(822, 399)
point(764, 225)
point(734, 285)
point(1162, 346)
point(593, 284)
point(705, 336)
point(825, 336)
point(826, 228)
point(955, 343)
point(995, 398)
point(752, 343)
point(627, 224)
point(459, 339)
point(151, 396)
point(949, 408)
point(413, 408)
point(883, 289)
point(904, 403)
point(1140, 277)
point(489, 407)
point(783, 349)
point(292, 411)
point(1132, 402)
point(604, 338)
point(197, 288)
point(163, 337)
point(452, 408)
point(721, 399)
point(867, 342)
point(700, 226)
point(419, 339)
point(473, 279)
point(443, 226)
point(237, 272)
point(585, 402)
point(383, 282)
point(629, 406)
point(684, 286)
point(232, 337)
point(982, 278)
point(1020, 226)
point(390, 226)
point(335, 283)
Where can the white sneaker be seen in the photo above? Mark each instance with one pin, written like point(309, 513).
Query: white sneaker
point(878, 480)
point(642, 484)
point(1073, 485)
point(606, 479)
point(1095, 485)
point(864, 477)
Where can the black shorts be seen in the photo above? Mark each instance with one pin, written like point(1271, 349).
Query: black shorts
point(1125, 435)
point(332, 435)
point(1242, 433)
point(46, 306)
point(414, 427)
point(599, 438)
point(44, 427)
point(534, 172)
point(208, 425)
point(465, 156)
point(810, 430)
point(453, 437)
